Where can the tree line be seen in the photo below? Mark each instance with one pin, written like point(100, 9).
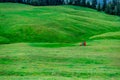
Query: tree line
point(37, 2)
point(111, 7)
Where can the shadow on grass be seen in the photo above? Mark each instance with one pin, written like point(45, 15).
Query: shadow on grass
point(51, 45)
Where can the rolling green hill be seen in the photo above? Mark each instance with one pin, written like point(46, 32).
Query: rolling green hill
point(44, 43)
point(109, 35)
point(24, 23)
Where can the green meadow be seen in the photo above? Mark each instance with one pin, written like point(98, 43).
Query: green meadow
point(43, 43)
point(63, 24)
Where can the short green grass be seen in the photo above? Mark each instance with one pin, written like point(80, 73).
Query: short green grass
point(32, 56)
point(108, 35)
point(97, 61)
point(25, 23)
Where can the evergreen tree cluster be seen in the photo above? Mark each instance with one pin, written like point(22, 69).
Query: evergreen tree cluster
point(37, 2)
point(111, 7)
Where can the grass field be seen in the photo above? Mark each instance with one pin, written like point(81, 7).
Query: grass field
point(25, 23)
point(44, 43)
point(97, 61)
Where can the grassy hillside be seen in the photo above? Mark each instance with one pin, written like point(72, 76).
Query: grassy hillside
point(24, 23)
point(42, 60)
point(108, 35)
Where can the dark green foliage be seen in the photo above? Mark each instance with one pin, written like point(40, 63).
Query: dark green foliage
point(83, 2)
point(118, 9)
point(37, 2)
point(78, 2)
point(108, 8)
point(88, 4)
point(99, 7)
point(104, 5)
point(113, 8)
point(94, 3)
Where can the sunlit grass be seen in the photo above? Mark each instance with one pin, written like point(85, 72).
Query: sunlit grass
point(100, 59)
point(45, 47)
point(25, 23)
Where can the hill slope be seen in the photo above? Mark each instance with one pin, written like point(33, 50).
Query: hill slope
point(24, 23)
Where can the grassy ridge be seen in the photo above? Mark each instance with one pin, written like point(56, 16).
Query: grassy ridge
point(24, 23)
point(109, 35)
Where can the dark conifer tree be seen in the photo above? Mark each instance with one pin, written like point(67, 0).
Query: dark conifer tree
point(99, 7)
point(104, 5)
point(118, 7)
point(83, 3)
point(109, 8)
point(88, 4)
point(94, 3)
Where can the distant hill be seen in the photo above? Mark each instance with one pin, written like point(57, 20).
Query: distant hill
point(24, 23)
point(108, 6)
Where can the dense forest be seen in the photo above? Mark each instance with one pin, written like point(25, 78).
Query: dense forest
point(108, 6)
